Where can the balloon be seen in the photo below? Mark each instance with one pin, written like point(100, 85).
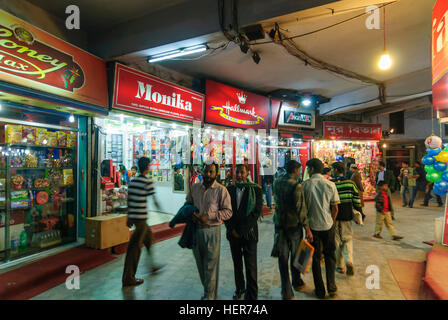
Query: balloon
point(429, 169)
point(434, 176)
point(440, 166)
point(445, 176)
point(439, 192)
point(441, 185)
point(433, 152)
point(428, 160)
point(433, 142)
point(442, 156)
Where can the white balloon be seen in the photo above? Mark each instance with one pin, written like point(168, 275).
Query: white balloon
point(433, 142)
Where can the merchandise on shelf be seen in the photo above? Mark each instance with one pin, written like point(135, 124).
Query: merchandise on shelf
point(68, 177)
point(71, 140)
point(41, 183)
point(29, 135)
point(41, 137)
point(17, 182)
point(62, 138)
point(19, 199)
point(13, 134)
point(42, 198)
point(31, 161)
point(52, 139)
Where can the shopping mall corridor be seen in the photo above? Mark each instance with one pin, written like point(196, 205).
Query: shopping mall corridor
point(179, 278)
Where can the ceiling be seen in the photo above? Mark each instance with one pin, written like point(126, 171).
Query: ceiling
point(349, 45)
point(104, 14)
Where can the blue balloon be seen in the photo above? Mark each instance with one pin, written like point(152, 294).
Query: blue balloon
point(433, 152)
point(440, 166)
point(445, 176)
point(439, 192)
point(441, 185)
point(428, 160)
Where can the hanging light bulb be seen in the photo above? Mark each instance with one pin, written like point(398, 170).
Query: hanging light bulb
point(385, 62)
point(71, 119)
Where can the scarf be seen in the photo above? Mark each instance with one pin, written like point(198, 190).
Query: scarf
point(251, 202)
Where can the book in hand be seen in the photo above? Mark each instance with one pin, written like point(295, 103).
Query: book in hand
point(304, 257)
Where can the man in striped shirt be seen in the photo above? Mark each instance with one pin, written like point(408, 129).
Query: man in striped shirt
point(349, 195)
point(138, 191)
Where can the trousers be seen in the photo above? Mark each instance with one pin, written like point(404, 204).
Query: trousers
point(206, 253)
point(387, 219)
point(344, 240)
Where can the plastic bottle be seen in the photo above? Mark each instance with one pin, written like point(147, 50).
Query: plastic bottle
point(23, 244)
point(14, 243)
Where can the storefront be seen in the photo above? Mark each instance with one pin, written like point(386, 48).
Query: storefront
point(235, 120)
point(153, 118)
point(349, 143)
point(48, 91)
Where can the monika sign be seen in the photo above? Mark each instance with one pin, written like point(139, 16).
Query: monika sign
point(439, 57)
point(352, 131)
point(142, 93)
point(233, 107)
point(33, 58)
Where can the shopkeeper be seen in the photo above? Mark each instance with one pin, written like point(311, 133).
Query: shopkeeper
point(125, 176)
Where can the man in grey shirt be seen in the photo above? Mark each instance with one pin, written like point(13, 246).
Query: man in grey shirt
point(322, 199)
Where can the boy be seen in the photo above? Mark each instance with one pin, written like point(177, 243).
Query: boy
point(384, 209)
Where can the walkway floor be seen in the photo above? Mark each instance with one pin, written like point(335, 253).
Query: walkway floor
point(179, 278)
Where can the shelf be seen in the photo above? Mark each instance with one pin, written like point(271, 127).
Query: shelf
point(43, 189)
point(24, 169)
point(38, 147)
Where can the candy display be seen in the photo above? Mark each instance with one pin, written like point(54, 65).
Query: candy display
point(13, 134)
point(71, 140)
point(55, 177)
point(52, 139)
point(41, 183)
point(19, 199)
point(42, 198)
point(68, 177)
point(16, 161)
point(17, 182)
point(41, 137)
point(31, 161)
point(62, 138)
point(28, 135)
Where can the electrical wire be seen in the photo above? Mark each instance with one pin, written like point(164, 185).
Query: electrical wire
point(324, 28)
point(349, 105)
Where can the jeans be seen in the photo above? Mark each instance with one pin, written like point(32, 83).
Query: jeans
point(268, 189)
point(344, 240)
point(421, 186)
point(289, 242)
point(206, 253)
point(325, 239)
point(248, 249)
point(403, 191)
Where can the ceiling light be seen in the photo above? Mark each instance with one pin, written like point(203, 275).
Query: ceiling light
point(392, 130)
point(71, 119)
point(384, 145)
point(256, 57)
point(306, 102)
point(385, 62)
point(177, 53)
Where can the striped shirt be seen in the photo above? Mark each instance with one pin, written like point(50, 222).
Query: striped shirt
point(349, 195)
point(138, 191)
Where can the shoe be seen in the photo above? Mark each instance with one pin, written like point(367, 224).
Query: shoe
point(340, 270)
point(424, 205)
point(300, 285)
point(397, 237)
point(287, 298)
point(410, 206)
point(440, 205)
point(405, 205)
point(319, 296)
point(155, 269)
point(332, 294)
point(350, 270)
point(204, 298)
point(137, 282)
point(238, 295)
point(377, 236)
point(393, 218)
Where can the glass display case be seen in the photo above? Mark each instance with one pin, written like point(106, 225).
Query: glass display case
point(38, 190)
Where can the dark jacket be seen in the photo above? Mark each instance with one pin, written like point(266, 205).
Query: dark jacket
point(379, 203)
point(389, 178)
point(184, 215)
point(240, 220)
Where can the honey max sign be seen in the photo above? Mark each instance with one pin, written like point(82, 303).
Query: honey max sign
point(33, 58)
point(21, 54)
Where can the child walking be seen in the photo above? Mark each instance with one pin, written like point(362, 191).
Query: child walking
point(384, 210)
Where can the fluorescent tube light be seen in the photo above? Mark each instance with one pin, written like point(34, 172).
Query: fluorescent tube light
point(177, 53)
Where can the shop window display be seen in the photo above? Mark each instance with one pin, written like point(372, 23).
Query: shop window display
point(364, 153)
point(38, 191)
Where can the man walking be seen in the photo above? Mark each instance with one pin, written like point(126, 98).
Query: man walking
point(322, 199)
point(289, 219)
point(214, 204)
point(385, 175)
point(420, 176)
point(242, 232)
point(428, 195)
point(408, 183)
point(348, 194)
point(138, 190)
point(357, 179)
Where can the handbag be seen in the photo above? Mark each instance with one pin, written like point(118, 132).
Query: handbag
point(304, 257)
point(357, 217)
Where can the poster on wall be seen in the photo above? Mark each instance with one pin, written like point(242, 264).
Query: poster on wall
point(33, 58)
point(439, 57)
point(142, 93)
point(233, 107)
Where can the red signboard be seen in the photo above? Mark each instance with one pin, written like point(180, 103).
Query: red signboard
point(352, 131)
point(33, 58)
point(445, 225)
point(439, 57)
point(234, 107)
point(142, 93)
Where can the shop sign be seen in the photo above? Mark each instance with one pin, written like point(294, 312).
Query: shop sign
point(33, 58)
point(352, 131)
point(439, 57)
point(234, 107)
point(142, 93)
point(445, 225)
point(294, 117)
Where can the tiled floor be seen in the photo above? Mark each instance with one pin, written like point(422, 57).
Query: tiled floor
point(180, 280)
